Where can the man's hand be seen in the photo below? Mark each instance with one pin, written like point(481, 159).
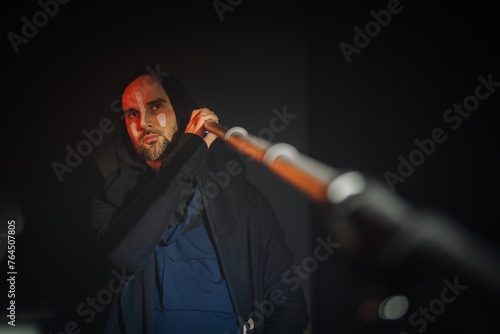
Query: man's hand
point(196, 122)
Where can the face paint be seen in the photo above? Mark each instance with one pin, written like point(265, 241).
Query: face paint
point(162, 119)
point(133, 126)
point(138, 96)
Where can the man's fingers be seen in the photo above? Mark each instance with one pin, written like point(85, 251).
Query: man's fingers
point(194, 113)
point(202, 111)
point(198, 119)
point(206, 118)
point(198, 112)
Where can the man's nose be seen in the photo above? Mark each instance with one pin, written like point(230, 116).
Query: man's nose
point(146, 120)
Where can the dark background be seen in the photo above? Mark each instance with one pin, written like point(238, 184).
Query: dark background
point(263, 55)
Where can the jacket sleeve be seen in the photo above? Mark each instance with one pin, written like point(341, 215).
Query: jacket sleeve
point(129, 235)
point(281, 287)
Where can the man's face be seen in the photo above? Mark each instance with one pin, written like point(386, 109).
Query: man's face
point(150, 117)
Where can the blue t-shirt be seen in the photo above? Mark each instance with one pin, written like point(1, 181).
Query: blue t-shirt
point(191, 294)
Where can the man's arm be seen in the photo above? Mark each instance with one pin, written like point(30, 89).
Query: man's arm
point(129, 235)
point(281, 287)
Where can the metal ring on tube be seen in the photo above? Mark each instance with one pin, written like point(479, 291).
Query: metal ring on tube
point(345, 186)
point(235, 129)
point(280, 149)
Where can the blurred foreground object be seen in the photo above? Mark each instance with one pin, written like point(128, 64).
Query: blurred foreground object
point(365, 217)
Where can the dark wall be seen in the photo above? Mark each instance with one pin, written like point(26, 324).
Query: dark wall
point(263, 55)
point(366, 113)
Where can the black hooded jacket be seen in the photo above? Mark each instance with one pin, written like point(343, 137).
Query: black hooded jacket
point(131, 215)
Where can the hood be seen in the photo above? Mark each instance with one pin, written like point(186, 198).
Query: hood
point(183, 105)
point(133, 172)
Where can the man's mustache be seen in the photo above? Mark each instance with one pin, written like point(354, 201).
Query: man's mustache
point(152, 132)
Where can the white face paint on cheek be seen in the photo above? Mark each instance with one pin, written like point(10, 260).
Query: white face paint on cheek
point(162, 119)
point(133, 127)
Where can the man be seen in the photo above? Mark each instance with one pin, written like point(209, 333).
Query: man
point(202, 243)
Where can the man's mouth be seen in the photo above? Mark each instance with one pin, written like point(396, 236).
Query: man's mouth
point(150, 138)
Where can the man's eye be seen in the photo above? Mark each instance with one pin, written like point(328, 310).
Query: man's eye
point(156, 107)
point(132, 114)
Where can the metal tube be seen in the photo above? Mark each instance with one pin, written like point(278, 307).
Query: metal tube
point(308, 175)
point(401, 227)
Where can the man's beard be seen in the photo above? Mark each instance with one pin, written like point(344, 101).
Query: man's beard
point(152, 151)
